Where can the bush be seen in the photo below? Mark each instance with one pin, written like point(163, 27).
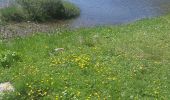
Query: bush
point(39, 10)
point(52, 9)
point(70, 10)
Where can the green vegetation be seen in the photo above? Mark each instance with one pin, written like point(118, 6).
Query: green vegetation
point(7, 58)
point(119, 62)
point(39, 10)
point(12, 13)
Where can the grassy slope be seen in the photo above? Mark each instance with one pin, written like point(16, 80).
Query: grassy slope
point(125, 62)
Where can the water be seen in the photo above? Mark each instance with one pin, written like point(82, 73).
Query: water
point(5, 3)
point(111, 12)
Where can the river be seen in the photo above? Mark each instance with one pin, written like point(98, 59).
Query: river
point(111, 12)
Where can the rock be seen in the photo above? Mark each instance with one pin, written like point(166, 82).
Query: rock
point(28, 21)
point(59, 49)
point(56, 51)
point(6, 87)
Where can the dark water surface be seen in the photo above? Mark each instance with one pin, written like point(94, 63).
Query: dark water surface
point(111, 12)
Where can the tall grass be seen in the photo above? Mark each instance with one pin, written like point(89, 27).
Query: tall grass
point(13, 13)
point(39, 10)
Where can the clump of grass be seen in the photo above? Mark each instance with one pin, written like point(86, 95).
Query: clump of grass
point(39, 10)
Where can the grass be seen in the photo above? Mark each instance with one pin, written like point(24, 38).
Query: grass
point(115, 62)
point(12, 13)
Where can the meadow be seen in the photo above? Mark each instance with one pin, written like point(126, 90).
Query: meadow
point(124, 62)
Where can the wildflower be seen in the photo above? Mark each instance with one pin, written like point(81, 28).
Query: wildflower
point(57, 98)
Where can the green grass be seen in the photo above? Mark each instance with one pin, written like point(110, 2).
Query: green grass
point(12, 13)
point(115, 62)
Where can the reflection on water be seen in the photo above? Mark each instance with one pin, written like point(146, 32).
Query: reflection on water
point(106, 12)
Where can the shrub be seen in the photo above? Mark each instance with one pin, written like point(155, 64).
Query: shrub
point(7, 58)
point(70, 10)
point(36, 8)
point(52, 9)
point(39, 10)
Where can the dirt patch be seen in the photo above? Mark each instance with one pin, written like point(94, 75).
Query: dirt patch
point(11, 30)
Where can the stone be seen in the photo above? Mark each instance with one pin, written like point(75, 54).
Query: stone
point(6, 87)
point(59, 49)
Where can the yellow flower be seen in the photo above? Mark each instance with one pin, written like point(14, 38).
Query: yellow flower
point(57, 98)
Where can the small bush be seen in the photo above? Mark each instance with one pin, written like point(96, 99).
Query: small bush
point(7, 58)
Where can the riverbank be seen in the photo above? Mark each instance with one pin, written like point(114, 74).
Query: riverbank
point(22, 18)
point(92, 14)
point(115, 62)
point(22, 29)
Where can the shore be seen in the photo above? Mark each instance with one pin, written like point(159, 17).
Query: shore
point(12, 30)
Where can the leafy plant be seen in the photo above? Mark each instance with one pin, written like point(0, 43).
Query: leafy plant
point(8, 57)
